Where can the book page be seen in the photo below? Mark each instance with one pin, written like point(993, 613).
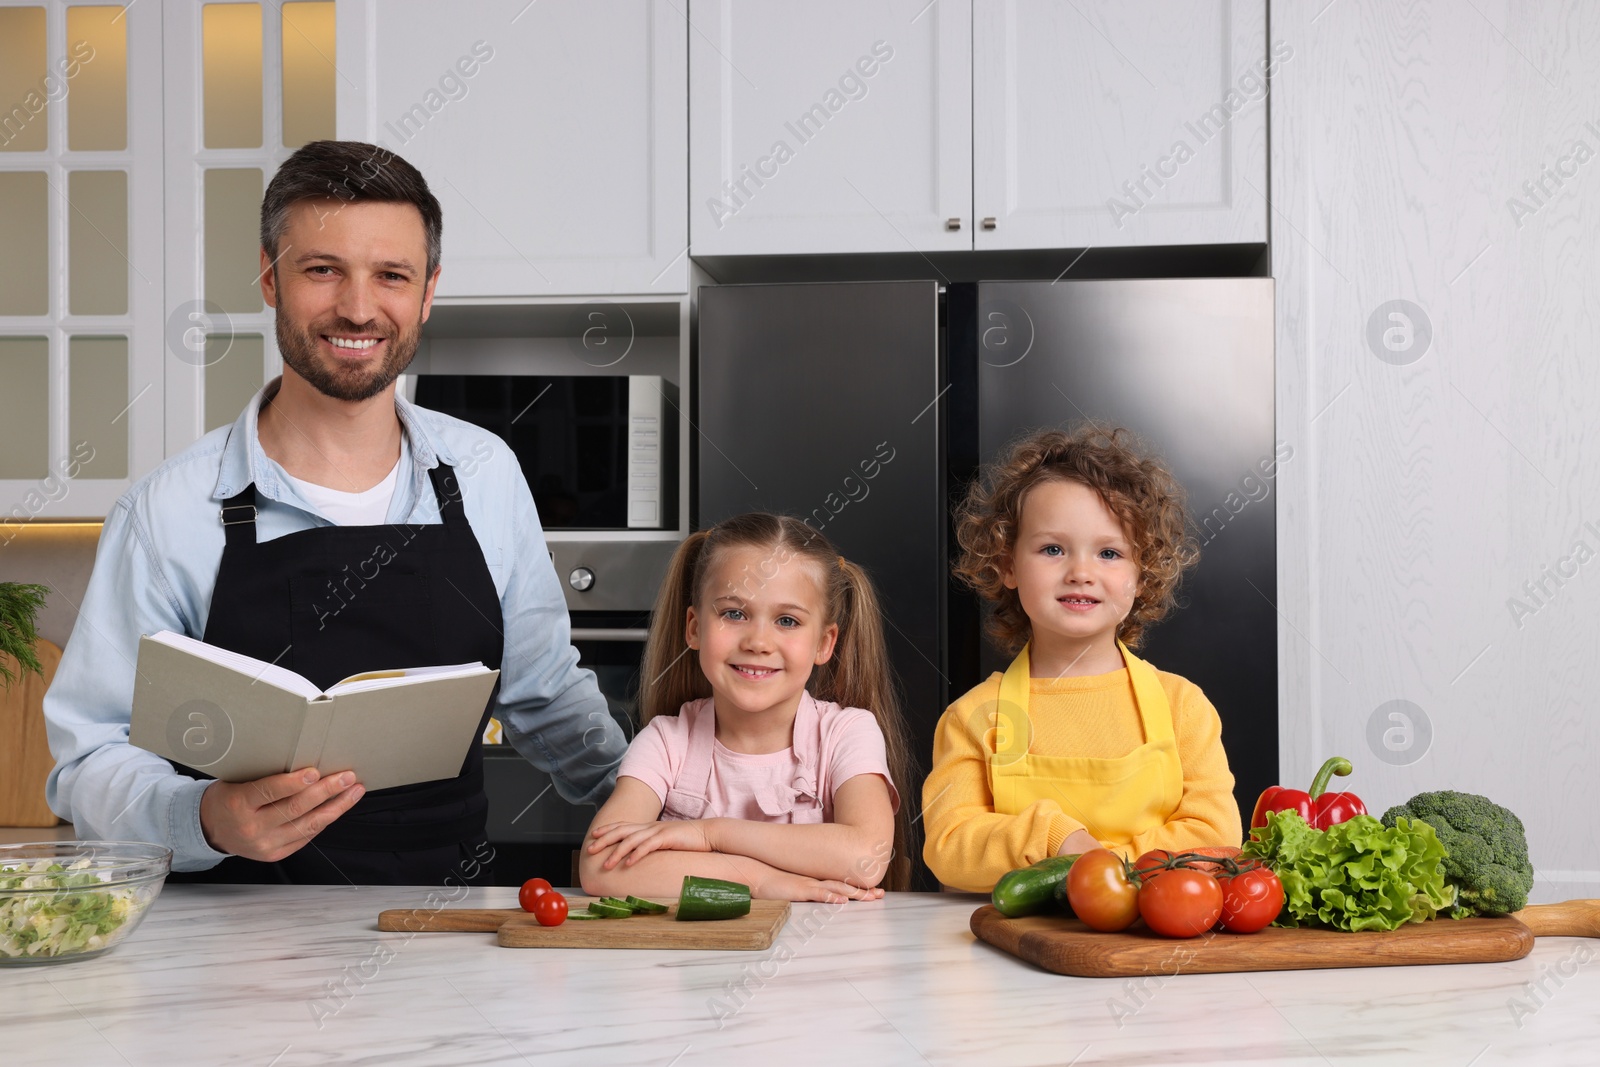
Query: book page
point(370, 680)
point(257, 670)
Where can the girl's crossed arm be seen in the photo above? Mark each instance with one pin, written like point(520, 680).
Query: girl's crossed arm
point(629, 851)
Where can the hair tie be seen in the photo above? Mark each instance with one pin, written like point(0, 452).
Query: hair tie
point(841, 562)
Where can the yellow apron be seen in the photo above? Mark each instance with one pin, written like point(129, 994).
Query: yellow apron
point(1114, 798)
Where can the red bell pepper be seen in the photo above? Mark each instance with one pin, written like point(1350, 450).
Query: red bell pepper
point(1319, 809)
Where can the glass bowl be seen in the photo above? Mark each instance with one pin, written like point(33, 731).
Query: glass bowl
point(62, 901)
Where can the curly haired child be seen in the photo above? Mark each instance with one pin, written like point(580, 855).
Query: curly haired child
point(1077, 541)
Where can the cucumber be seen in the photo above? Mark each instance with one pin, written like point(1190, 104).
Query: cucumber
point(712, 898)
point(644, 907)
point(1061, 900)
point(1030, 890)
point(607, 910)
point(586, 915)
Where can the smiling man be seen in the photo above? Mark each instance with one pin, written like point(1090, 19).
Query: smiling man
point(250, 537)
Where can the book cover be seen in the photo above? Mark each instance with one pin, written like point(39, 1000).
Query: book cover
point(238, 718)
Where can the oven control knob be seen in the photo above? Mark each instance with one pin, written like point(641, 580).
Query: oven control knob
point(581, 579)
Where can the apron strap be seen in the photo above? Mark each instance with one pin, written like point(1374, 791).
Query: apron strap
point(1154, 711)
point(447, 490)
point(238, 517)
point(695, 778)
point(1013, 730)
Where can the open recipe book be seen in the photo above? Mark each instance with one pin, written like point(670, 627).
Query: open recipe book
point(238, 718)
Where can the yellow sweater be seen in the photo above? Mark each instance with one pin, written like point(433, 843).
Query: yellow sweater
point(969, 845)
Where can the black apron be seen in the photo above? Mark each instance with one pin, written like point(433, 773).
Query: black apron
point(334, 601)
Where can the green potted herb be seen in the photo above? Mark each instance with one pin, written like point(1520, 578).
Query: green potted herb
point(19, 607)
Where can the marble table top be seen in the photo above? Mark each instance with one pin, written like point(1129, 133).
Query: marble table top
point(290, 976)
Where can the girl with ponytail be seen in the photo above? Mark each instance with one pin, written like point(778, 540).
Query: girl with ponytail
point(772, 751)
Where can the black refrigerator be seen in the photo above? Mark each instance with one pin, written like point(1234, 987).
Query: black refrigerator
point(866, 407)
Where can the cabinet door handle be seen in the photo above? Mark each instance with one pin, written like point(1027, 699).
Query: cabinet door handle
point(952, 224)
point(988, 223)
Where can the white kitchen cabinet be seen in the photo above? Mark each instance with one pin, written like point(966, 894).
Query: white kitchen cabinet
point(553, 133)
point(1117, 123)
point(830, 126)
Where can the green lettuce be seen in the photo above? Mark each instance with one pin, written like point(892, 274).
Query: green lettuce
point(39, 917)
point(1355, 875)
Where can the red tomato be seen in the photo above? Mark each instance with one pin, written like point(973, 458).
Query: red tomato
point(1180, 903)
point(1250, 900)
point(1147, 863)
point(550, 909)
point(532, 890)
point(1100, 893)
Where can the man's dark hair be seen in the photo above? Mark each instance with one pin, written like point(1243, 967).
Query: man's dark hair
point(348, 171)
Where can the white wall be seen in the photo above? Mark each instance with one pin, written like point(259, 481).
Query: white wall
point(1422, 496)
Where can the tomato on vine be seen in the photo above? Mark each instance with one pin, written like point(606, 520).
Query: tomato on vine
point(1180, 902)
point(1101, 892)
point(1250, 900)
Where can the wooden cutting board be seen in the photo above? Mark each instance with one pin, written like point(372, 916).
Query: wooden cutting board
point(1067, 946)
point(518, 929)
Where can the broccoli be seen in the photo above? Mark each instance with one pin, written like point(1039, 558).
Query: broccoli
point(1488, 849)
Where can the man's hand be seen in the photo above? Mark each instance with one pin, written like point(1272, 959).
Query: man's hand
point(631, 842)
point(1077, 843)
point(275, 816)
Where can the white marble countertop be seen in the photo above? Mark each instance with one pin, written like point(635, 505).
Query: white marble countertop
point(289, 976)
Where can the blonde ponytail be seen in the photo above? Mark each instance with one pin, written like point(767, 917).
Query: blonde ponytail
point(858, 675)
point(670, 676)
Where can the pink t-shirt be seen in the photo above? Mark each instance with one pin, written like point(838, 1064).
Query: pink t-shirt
point(697, 777)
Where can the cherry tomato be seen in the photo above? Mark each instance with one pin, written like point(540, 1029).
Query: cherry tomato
point(550, 909)
point(1180, 903)
point(532, 890)
point(1100, 893)
point(1250, 900)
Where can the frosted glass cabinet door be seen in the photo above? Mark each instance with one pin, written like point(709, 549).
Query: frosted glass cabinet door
point(81, 308)
point(554, 135)
point(830, 126)
point(1120, 122)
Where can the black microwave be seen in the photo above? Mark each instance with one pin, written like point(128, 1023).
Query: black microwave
point(600, 452)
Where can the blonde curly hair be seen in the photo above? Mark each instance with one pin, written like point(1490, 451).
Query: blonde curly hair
point(1132, 482)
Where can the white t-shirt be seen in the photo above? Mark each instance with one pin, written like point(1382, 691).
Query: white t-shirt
point(370, 508)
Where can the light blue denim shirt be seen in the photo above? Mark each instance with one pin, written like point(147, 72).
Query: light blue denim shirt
point(155, 569)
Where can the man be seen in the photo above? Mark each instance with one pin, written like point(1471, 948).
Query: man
point(249, 538)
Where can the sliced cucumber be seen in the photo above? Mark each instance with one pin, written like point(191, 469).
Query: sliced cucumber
point(644, 907)
point(712, 898)
point(608, 910)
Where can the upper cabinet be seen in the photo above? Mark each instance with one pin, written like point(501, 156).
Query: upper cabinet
point(554, 134)
point(1104, 122)
point(892, 127)
point(830, 126)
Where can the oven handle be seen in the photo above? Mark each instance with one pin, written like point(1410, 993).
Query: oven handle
point(588, 633)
